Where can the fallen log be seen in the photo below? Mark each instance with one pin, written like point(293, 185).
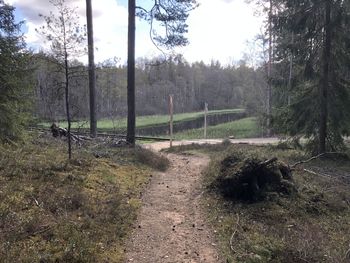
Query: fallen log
point(293, 166)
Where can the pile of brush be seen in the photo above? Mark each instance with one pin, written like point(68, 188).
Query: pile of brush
point(254, 179)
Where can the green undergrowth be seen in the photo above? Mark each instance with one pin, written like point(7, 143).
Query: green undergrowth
point(52, 210)
point(311, 226)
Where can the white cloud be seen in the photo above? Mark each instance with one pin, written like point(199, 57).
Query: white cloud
point(110, 24)
point(220, 29)
point(217, 29)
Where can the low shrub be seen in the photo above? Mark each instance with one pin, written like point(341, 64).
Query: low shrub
point(151, 159)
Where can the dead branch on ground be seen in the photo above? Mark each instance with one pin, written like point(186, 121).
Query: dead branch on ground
point(314, 158)
point(233, 234)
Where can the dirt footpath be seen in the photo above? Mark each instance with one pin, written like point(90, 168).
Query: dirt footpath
point(252, 141)
point(171, 226)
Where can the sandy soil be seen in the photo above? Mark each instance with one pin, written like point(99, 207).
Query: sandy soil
point(171, 225)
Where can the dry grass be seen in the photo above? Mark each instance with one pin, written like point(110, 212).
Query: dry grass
point(52, 210)
point(152, 159)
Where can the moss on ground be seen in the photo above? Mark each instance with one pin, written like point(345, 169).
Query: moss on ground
point(311, 226)
point(52, 210)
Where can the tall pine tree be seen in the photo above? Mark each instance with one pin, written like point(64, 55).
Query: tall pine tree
point(172, 16)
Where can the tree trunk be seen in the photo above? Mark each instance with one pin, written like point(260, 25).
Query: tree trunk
point(130, 137)
point(290, 73)
point(325, 83)
point(92, 74)
point(269, 69)
point(66, 88)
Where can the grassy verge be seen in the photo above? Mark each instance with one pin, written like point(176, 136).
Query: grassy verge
point(52, 210)
point(244, 128)
point(142, 121)
point(311, 226)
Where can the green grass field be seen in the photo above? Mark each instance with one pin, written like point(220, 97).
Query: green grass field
point(243, 128)
point(142, 121)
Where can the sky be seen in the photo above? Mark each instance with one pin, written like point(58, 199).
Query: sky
point(218, 29)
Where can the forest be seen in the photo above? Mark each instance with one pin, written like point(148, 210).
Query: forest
point(298, 88)
point(159, 159)
point(222, 87)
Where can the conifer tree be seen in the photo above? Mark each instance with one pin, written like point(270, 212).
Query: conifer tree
point(316, 34)
point(14, 88)
point(172, 16)
point(92, 70)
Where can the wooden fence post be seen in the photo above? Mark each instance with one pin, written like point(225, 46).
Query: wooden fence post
point(171, 112)
point(205, 119)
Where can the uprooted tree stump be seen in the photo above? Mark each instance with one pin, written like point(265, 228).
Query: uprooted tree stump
point(253, 179)
point(62, 132)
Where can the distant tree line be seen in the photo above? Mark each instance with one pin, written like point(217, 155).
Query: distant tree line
point(192, 84)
